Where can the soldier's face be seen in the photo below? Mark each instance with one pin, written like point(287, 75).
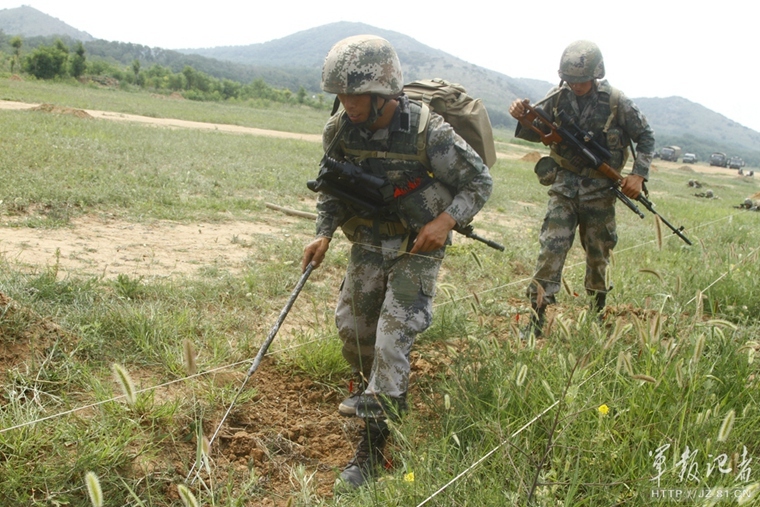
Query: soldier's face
point(581, 89)
point(358, 107)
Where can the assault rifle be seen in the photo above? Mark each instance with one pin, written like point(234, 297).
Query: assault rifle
point(583, 144)
point(370, 193)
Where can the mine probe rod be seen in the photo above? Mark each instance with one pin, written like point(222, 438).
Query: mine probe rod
point(257, 361)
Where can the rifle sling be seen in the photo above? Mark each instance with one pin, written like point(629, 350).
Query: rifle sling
point(587, 172)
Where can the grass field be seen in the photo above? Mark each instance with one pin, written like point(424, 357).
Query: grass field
point(659, 402)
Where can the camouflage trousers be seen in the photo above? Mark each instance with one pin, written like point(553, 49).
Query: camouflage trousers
point(385, 300)
point(594, 217)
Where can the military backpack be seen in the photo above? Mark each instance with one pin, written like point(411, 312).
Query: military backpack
point(467, 115)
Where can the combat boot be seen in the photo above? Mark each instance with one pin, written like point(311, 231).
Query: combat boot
point(356, 387)
point(598, 304)
point(381, 407)
point(536, 325)
point(369, 457)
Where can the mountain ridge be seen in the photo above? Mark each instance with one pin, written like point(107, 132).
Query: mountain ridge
point(295, 60)
point(30, 22)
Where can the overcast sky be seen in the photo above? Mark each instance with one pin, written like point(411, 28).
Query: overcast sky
point(704, 52)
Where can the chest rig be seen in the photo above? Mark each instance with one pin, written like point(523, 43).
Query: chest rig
point(598, 117)
point(401, 159)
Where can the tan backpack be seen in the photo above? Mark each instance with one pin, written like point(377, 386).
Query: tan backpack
point(467, 115)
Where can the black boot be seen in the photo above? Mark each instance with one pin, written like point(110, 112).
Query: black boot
point(598, 304)
point(381, 407)
point(536, 325)
point(369, 457)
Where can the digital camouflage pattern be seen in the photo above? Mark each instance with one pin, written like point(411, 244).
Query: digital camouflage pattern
point(385, 301)
point(586, 202)
point(452, 161)
point(362, 64)
point(580, 62)
point(386, 297)
point(595, 220)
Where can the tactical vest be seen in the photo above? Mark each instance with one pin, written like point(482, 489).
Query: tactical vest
point(420, 197)
point(601, 123)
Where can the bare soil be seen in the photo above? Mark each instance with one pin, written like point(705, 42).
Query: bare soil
point(106, 247)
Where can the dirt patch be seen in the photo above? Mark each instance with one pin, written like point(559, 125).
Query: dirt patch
point(25, 336)
point(102, 247)
point(50, 108)
point(290, 420)
point(172, 123)
point(533, 156)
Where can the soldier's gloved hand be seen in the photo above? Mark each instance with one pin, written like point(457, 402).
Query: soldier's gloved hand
point(314, 252)
point(433, 235)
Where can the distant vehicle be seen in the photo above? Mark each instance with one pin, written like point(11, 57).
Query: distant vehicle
point(735, 163)
point(719, 159)
point(689, 158)
point(670, 153)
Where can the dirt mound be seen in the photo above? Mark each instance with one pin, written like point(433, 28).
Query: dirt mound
point(686, 168)
point(51, 108)
point(16, 77)
point(25, 335)
point(533, 156)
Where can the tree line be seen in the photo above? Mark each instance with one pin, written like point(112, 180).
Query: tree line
point(61, 62)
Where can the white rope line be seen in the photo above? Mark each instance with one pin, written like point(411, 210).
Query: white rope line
point(224, 367)
point(505, 441)
point(569, 266)
point(147, 389)
point(529, 423)
point(232, 365)
point(742, 261)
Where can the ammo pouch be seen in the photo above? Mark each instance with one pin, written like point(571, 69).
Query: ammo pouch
point(424, 203)
point(546, 170)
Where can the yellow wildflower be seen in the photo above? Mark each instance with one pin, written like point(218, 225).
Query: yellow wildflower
point(603, 409)
point(409, 477)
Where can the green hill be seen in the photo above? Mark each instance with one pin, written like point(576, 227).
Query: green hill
point(305, 51)
point(29, 22)
point(296, 60)
point(675, 119)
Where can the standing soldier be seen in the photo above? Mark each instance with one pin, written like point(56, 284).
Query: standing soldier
point(386, 297)
point(580, 196)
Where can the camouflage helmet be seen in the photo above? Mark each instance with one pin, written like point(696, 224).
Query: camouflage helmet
point(748, 203)
point(362, 64)
point(581, 61)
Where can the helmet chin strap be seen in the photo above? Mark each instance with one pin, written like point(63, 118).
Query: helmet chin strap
point(374, 114)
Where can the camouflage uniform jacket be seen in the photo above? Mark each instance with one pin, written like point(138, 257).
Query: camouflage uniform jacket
point(450, 159)
point(591, 113)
